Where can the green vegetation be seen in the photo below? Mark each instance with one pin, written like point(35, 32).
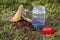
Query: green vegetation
point(9, 7)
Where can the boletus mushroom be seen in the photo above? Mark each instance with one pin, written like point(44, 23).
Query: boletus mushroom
point(19, 18)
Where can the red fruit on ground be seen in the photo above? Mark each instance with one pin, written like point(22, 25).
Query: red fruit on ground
point(47, 30)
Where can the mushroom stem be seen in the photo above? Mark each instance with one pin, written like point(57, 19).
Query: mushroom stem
point(27, 19)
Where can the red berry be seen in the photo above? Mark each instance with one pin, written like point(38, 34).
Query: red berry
point(47, 30)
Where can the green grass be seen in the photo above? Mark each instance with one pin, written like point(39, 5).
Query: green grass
point(9, 32)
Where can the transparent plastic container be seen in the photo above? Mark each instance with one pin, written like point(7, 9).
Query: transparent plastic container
point(38, 16)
